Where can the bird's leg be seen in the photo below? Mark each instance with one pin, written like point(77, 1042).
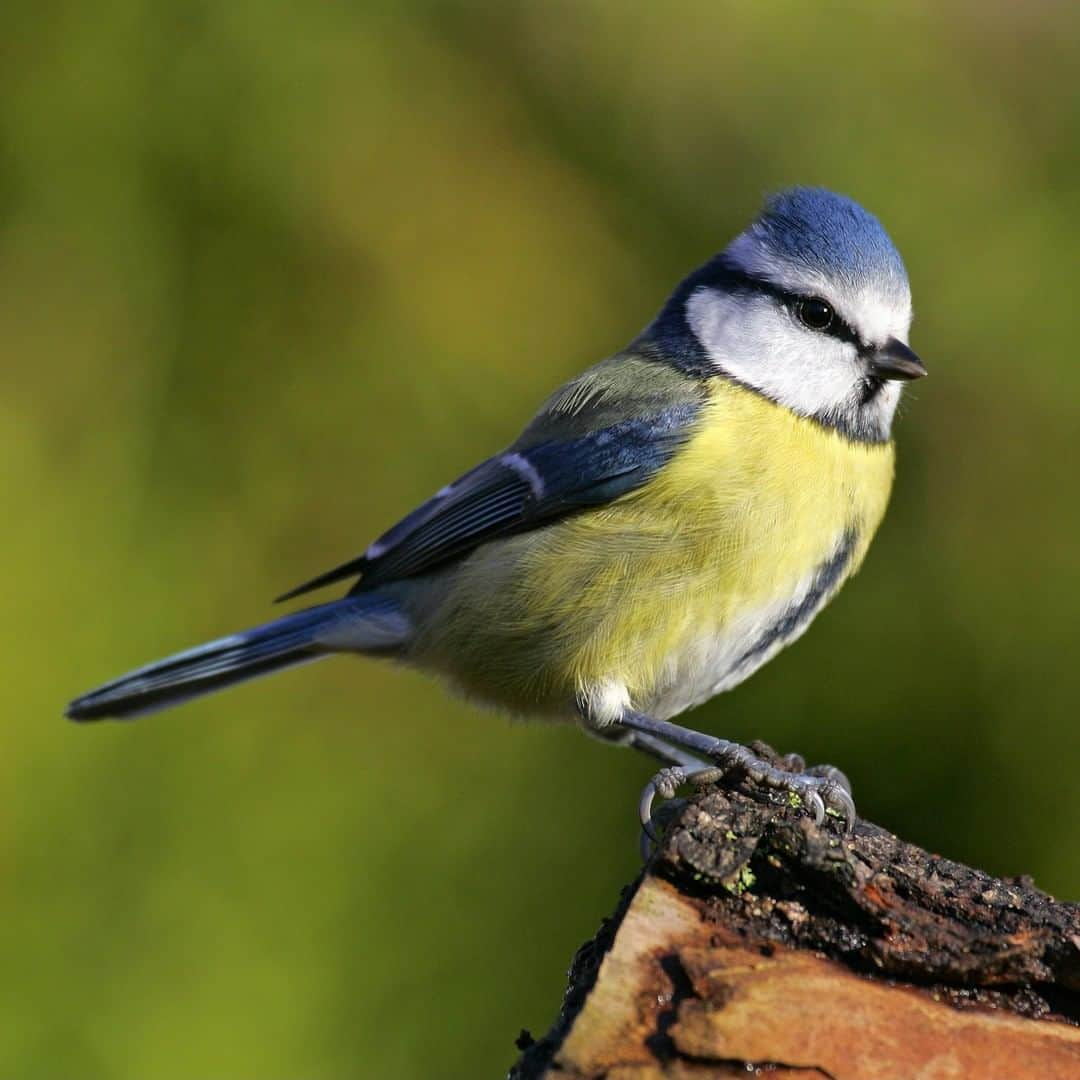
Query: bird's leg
point(819, 789)
point(660, 749)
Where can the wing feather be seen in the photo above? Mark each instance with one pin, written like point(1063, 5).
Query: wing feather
point(531, 484)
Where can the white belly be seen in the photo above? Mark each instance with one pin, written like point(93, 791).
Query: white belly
point(721, 658)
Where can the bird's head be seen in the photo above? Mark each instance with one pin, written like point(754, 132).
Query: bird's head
point(811, 307)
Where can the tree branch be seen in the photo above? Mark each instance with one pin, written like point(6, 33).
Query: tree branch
point(754, 938)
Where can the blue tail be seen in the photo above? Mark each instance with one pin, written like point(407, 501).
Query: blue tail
point(365, 623)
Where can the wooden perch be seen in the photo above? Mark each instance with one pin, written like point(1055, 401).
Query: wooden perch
point(755, 940)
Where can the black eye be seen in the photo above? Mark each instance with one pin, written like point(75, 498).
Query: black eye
point(814, 313)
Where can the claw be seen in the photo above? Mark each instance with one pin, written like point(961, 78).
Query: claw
point(836, 793)
point(815, 804)
point(646, 843)
point(665, 783)
point(648, 793)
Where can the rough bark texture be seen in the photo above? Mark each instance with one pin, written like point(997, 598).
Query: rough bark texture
point(755, 940)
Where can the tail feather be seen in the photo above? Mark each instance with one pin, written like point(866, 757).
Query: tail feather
point(362, 624)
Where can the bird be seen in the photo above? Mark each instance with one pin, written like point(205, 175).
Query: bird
point(668, 521)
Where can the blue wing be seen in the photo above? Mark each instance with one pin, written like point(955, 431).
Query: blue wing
point(531, 484)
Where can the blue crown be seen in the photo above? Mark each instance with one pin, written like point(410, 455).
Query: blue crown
point(831, 234)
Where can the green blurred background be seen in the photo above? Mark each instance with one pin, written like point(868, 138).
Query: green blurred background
point(269, 275)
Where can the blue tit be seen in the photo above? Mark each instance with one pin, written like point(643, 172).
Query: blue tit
point(667, 522)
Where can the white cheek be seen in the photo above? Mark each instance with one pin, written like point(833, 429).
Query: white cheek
point(759, 345)
point(887, 400)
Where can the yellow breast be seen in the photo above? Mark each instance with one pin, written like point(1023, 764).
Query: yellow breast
point(644, 591)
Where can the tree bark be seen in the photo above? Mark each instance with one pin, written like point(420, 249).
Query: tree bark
point(755, 940)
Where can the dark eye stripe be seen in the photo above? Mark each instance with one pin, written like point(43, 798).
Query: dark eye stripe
point(734, 279)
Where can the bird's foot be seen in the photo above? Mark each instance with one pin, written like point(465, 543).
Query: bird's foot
point(820, 789)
